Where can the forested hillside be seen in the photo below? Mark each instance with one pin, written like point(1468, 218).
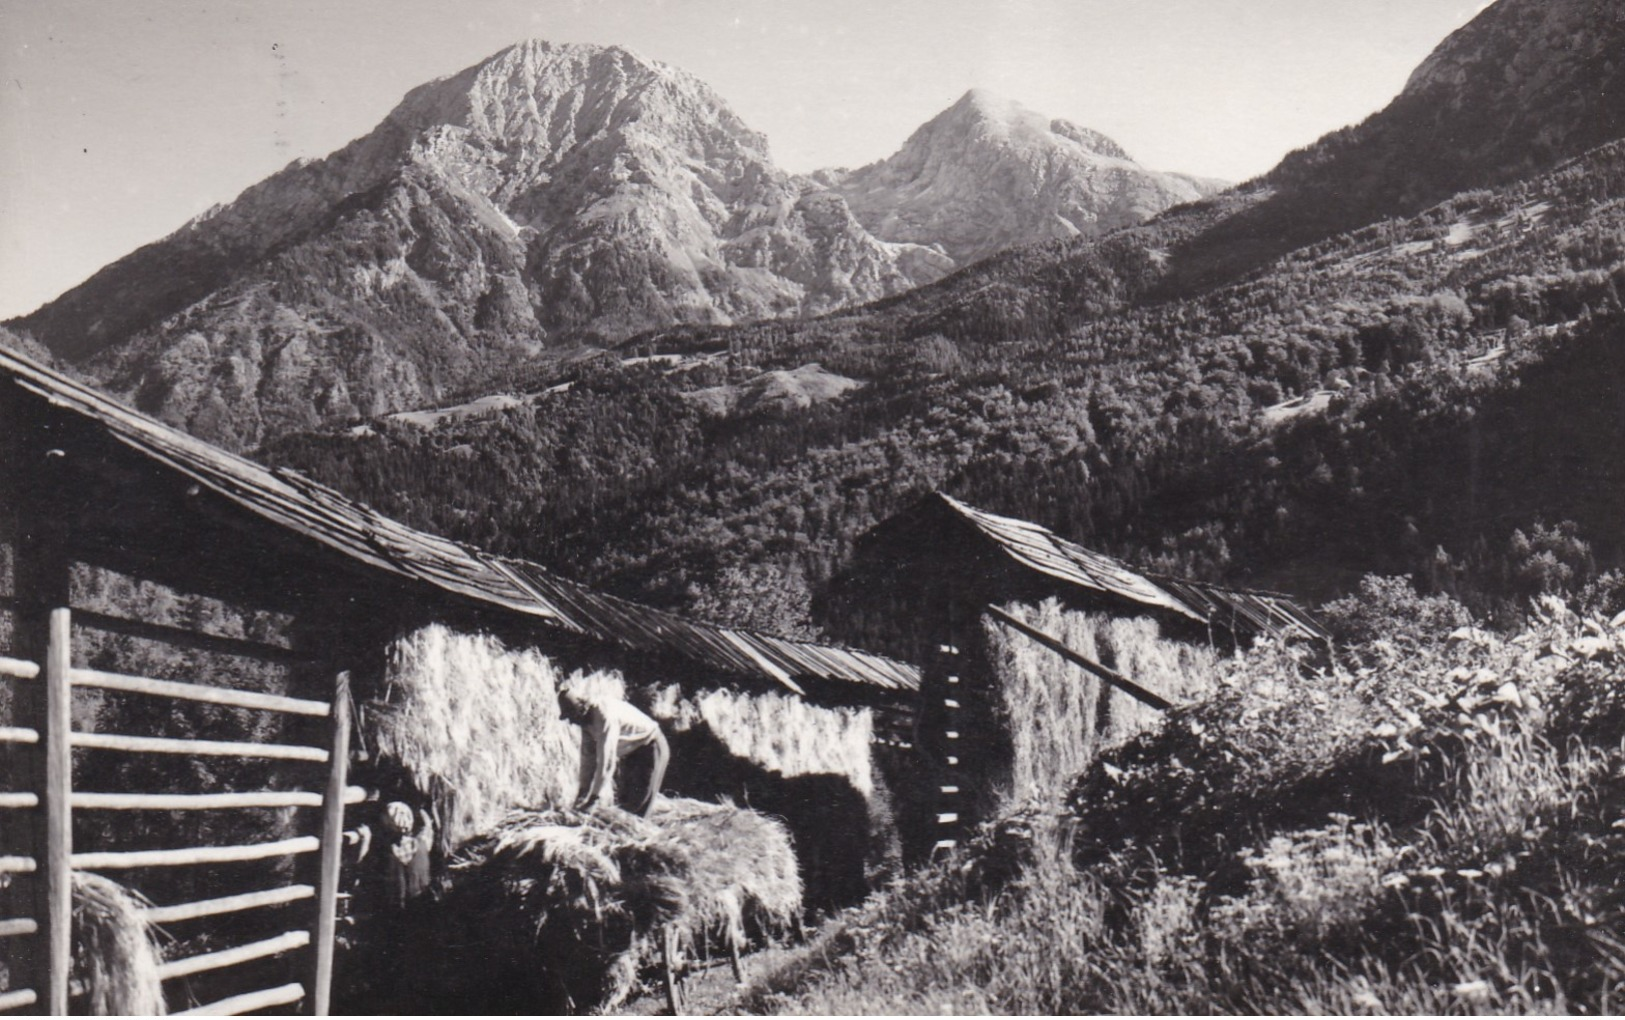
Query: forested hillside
point(1458, 370)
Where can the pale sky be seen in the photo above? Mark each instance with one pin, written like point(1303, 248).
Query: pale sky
point(121, 119)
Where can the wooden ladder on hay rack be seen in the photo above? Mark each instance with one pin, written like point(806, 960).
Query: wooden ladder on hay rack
point(47, 814)
point(951, 812)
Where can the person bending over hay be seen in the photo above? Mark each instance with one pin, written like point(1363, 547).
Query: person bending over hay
point(611, 729)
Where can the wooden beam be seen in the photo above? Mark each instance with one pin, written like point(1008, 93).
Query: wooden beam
point(203, 962)
point(1111, 676)
point(114, 859)
point(195, 801)
point(229, 696)
point(227, 904)
point(18, 669)
point(332, 847)
point(17, 999)
point(247, 648)
point(249, 1002)
point(219, 748)
point(59, 810)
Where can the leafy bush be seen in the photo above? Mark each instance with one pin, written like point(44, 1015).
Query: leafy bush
point(1491, 884)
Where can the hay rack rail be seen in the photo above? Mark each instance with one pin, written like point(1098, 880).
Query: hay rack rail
point(42, 815)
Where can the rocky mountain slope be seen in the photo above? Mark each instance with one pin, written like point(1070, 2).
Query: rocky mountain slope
point(988, 173)
point(551, 195)
point(1418, 393)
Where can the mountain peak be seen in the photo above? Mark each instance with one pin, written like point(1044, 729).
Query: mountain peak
point(551, 194)
point(989, 172)
point(548, 95)
point(990, 113)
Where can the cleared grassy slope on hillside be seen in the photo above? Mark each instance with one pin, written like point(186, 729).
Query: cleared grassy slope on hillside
point(1433, 826)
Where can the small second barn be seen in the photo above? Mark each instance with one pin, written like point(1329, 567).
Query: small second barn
point(1015, 628)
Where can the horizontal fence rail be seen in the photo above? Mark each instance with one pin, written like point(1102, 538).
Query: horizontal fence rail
point(18, 999)
point(228, 904)
point(49, 854)
point(18, 926)
point(228, 696)
point(113, 860)
point(18, 735)
point(249, 1002)
point(208, 801)
point(189, 965)
point(19, 669)
point(212, 748)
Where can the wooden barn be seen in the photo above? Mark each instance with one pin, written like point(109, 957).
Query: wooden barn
point(1035, 651)
point(209, 670)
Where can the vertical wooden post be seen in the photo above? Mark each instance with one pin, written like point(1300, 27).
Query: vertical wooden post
point(58, 816)
point(332, 847)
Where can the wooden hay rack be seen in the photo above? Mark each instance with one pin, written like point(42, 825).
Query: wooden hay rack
point(41, 814)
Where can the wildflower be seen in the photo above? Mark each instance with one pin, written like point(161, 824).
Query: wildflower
point(1431, 873)
point(1471, 874)
point(1396, 880)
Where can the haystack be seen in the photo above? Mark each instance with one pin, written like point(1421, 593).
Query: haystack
point(742, 868)
point(586, 897)
point(1058, 716)
point(115, 958)
point(477, 725)
point(577, 896)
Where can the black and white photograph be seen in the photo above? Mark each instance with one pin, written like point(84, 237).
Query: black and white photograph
point(824, 507)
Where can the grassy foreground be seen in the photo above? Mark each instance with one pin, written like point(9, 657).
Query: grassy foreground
point(1432, 823)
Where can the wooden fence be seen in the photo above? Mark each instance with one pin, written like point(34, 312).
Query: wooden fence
point(46, 813)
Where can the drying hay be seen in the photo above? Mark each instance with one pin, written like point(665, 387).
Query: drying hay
point(741, 868)
point(114, 955)
point(477, 725)
point(780, 733)
point(1058, 715)
point(584, 898)
point(577, 896)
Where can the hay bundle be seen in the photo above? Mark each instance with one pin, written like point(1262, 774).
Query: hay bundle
point(742, 867)
point(582, 898)
point(790, 736)
point(1056, 714)
point(577, 896)
point(477, 725)
point(114, 954)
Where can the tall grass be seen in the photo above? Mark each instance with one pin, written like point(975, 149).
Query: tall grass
point(1450, 839)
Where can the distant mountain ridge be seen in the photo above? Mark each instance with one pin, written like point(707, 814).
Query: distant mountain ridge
point(988, 173)
point(550, 195)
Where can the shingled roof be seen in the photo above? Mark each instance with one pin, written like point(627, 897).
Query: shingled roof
point(1238, 610)
point(291, 501)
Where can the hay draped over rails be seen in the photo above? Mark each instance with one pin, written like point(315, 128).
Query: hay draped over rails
point(576, 901)
point(477, 725)
point(114, 954)
point(1057, 715)
point(780, 733)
